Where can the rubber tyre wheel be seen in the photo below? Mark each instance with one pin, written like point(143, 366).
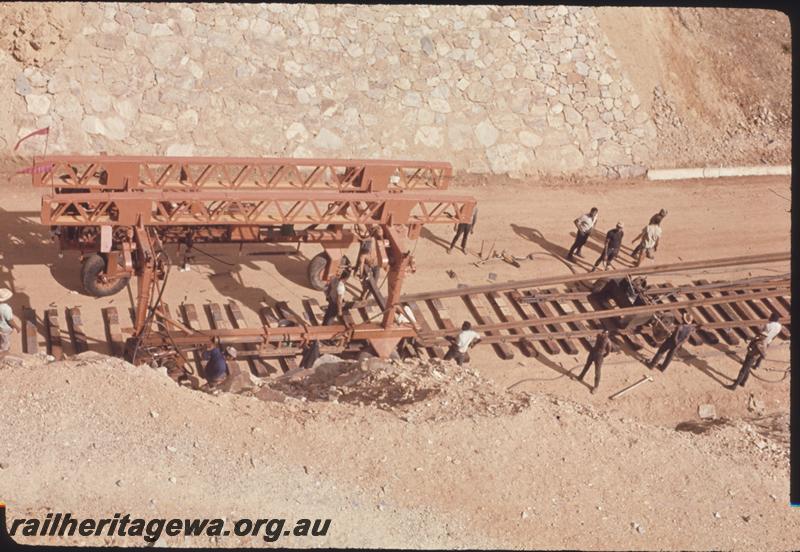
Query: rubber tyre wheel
point(316, 268)
point(93, 266)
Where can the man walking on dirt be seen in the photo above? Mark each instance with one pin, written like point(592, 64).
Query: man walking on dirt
point(611, 247)
point(756, 352)
point(584, 223)
point(674, 342)
point(459, 350)
point(463, 230)
point(7, 322)
point(648, 240)
point(601, 349)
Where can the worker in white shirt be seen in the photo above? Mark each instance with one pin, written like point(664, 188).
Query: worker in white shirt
point(772, 329)
point(648, 240)
point(584, 223)
point(466, 339)
point(7, 322)
point(335, 292)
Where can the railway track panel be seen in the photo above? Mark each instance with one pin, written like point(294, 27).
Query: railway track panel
point(537, 320)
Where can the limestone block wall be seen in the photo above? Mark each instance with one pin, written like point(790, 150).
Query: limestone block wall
point(517, 90)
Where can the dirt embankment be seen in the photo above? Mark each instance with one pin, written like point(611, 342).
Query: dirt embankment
point(717, 81)
point(95, 436)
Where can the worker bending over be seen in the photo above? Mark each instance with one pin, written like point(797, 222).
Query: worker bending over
point(335, 292)
point(466, 339)
point(674, 342)
point(7, 322)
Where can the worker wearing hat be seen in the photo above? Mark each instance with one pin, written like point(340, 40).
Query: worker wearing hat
point(611, 247)
point(648, 239)
point(658, 216)
point(676, 339)
point(7, 322)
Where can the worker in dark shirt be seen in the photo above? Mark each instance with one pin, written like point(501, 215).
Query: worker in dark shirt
point(658, 217)
point(756, 352)
point(611, 247)
point(601, 349)
point(217, 367)
point(674, 342)
point(463, 230)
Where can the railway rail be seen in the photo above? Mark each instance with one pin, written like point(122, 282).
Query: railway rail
point(544, 316)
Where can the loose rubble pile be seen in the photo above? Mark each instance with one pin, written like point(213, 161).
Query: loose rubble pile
point(412, 389)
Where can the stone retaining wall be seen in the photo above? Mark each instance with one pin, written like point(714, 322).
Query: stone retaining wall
point(517, 90)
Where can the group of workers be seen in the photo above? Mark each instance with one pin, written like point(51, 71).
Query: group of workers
point(368, 269)
point(647, 239)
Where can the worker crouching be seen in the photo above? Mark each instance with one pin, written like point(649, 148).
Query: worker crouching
point(216, 369)
point(466, 339)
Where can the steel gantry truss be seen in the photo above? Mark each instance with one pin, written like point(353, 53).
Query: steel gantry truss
point(125, 209)
point(133, 173)
point(246, 207)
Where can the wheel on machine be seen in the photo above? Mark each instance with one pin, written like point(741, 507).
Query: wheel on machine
point(316, 270)
point(93, 277)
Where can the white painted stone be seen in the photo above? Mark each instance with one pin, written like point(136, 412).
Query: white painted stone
point(187, 14)
point(486, 133)
point(92, 125)
point(479, 92)
point(439, 105)
point(429, 136)
point(508, 71)
point(297, 130)
point(572, 116)
point(530, 139)
point(412, 99)
point(605, 79)
point(556, 108)
point(327, 140)
point(38, 104)
point(114, 128)
point(160, 29)
point(403, 83)
point(180, 150)
point(635, 102)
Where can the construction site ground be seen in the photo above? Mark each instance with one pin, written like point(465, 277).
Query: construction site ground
point(561, 469)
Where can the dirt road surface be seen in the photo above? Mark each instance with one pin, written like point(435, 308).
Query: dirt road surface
point(570, 470)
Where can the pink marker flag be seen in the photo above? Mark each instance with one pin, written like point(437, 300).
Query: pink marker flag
point(36, 169)
point(45, 130)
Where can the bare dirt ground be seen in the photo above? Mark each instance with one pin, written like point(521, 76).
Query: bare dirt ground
point(548, 466)
point(717, 81)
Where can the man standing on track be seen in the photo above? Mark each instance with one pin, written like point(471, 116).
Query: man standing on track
point(584, 223)
point(611, 247)
point(674, 342)
point(601, 349)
